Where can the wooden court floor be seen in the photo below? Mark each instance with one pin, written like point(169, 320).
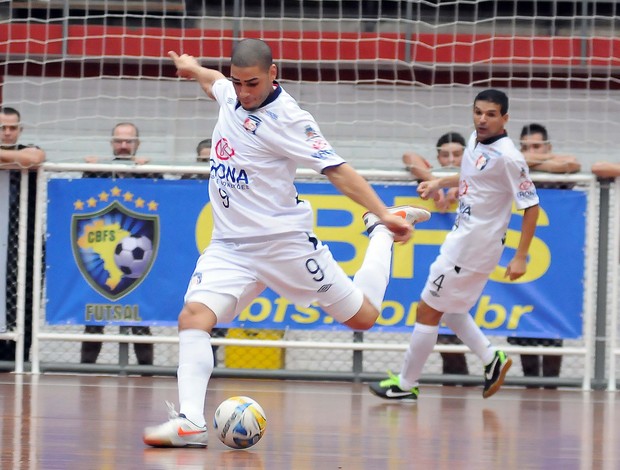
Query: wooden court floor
point(93, 422)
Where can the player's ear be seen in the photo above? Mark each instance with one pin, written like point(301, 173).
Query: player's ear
point(273, 72)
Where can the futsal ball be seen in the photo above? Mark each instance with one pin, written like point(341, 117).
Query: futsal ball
point(240, 422)
point(133, 254)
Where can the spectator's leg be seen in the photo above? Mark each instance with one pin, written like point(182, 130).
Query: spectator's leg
point(453, 363)
point(90, 350)
point(531, 366)
point(144, 351)
point(217, 333)
point(551, 365)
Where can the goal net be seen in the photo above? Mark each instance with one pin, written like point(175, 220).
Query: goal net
point(381, 77)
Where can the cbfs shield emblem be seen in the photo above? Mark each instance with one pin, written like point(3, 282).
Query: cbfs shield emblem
point(114, 248)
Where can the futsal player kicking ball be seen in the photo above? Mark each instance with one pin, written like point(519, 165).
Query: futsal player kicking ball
point(262, 231)
point(493, 175)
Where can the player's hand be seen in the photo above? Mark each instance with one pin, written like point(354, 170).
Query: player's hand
point(428, 189)
point(516, 268)
point(186, 64)
point(398, 226)
point(441, 202)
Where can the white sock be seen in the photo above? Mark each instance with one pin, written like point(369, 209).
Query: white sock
point(374, 274)
point(466, 329)
point(423, 340)
point(194, 372)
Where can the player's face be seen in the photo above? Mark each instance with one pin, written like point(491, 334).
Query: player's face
point(535, 143)
point(125, 142)
point(11, 129)
point(488, 120)
point(252, 85)
point(450, 154)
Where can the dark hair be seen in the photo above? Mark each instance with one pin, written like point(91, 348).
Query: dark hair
point(127, 124)
point(451, 137)
point(252, 52)
point(10, 111)
point(206, 143)
point(494, 96)
point(535, 128)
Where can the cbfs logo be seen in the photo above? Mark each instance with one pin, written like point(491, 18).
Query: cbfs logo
point(115, 246)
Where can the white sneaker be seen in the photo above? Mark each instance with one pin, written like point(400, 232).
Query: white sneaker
point(411, 214)
point(177, 432)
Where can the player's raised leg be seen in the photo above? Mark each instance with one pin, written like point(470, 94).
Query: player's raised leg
point(374, 274)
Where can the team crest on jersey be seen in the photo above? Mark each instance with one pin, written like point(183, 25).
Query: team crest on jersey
point(482, 162)
point(251, 123)
point(116, 245)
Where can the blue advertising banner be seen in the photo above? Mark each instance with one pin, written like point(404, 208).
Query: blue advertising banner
point(122, 252)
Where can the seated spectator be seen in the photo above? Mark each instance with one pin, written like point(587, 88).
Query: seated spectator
point(203, 151)
point(537, 150)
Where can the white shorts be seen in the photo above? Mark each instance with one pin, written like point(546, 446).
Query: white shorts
point(452, 289)
point(230, 274)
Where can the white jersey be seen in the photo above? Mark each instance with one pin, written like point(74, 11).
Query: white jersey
point(493, 174)
point(254, 159)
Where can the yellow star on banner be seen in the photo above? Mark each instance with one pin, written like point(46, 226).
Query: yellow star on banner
point(127, 197)
point(140, 202)
point(92, 202)
point(78, 205)
point(153, 206)
point(116, 191)
point(103, 196)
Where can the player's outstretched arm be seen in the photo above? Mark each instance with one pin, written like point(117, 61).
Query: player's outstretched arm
point(188, 67)
point(353, 185)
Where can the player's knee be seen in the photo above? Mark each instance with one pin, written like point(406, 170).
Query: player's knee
point(427, 315)
point(196, 316)
point(364, 319)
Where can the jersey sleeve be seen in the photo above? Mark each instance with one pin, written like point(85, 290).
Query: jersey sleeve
point(303, 142)
point(523, 187)
point(220, 89)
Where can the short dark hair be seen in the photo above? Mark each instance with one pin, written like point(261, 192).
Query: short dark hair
point(494, 96)
point(126, 124)
point(203, 144)
point(252, 52)
point(10, 111)
point(535, 128)
point(451, 137)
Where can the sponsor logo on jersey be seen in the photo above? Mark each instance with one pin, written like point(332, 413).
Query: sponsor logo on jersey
point(322, 154)
point(272, 115)
point(324, 288)
point(251, 123)
point(230, 176)
point(311, 133)
point(223, 149)
point(116, 243)
point(463, 188)
point(482, 162)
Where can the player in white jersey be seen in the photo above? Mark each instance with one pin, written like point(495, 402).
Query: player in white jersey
point(493, 175)
point(262, 235)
